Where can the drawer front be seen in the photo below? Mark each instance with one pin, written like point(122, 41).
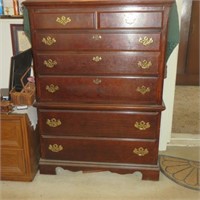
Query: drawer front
point(120, 63)
point(100, 150)
point(98, 89)
point(97, 41)
point(99, 123)
point(12, 163)
point(130, 20)
point(64, 20)
point(11, 133)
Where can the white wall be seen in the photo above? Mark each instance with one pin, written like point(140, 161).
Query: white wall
point(6, 49)
point(168, 93)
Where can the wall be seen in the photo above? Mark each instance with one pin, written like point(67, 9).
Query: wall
point(168, 94)
point(6, 49)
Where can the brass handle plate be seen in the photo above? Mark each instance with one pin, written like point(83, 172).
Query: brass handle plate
point(50, 63)
point(52, 88)
point(49, 40)
point(53, 122)
point(146, 41)
point(55, 148)
point(130, 20)
point(144, 64)
point(96, 37)
point(63, 20)
point(141, 151)
point(143, 89)
point(142, 125)
point(97, 58)
point(97, 81)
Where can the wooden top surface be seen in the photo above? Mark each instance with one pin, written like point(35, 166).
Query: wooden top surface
point(80, 2)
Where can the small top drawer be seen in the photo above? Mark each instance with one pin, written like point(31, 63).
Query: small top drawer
point(130, 20)
point(64, 20)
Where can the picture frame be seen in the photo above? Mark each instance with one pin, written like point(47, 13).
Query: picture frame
point(20, 41)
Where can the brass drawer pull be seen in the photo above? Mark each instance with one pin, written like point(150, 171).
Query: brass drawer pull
point(146, 41)
point(144, 64)
point(97, 37)
point(52, 88)
point(49, 40)
point(50, 63)
point(53, 122)
point(141, 151)
point(63, 20)
point(97, 58)
point(143, 89)
point(130, 21)
point(142, 125)
point(97, 81)
point(55, 148)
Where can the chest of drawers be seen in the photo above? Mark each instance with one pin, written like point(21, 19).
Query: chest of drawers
point(99, 68)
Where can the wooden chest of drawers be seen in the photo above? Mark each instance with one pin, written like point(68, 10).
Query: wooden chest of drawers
point(99, 68)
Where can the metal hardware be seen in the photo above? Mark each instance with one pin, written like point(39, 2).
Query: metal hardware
point(63, 20)
point(49, 40)
point(130, 20)
point(50, 63)
point(97, 37)
point(144, 64)
point(143, 89)
point(55, 148)
point(97, 81)
point(97, 58)
point(53, 122)
point(52, 88)
point(141, 151)
point(142, 125)
point(146, 41)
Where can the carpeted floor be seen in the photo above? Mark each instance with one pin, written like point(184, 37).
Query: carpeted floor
point(186, 117)
point(182, 171)
point(68, 185)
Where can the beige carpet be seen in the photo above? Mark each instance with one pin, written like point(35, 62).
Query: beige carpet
point(186, 118)
point(102, 185)
point(182, 171)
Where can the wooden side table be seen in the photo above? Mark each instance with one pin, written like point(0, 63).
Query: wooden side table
point(19, 148)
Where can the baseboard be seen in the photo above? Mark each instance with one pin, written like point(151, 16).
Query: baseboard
point(184, 139)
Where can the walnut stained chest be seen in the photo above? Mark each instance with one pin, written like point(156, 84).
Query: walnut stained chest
point(99, 68)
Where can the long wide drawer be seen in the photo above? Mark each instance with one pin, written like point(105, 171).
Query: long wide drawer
point(120, 63)
point(100, 150)
point(54, 40)
point(98, 89)
point(99, 123)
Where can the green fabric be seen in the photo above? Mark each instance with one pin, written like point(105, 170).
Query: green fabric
point(173, 31)
point(26, 23)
